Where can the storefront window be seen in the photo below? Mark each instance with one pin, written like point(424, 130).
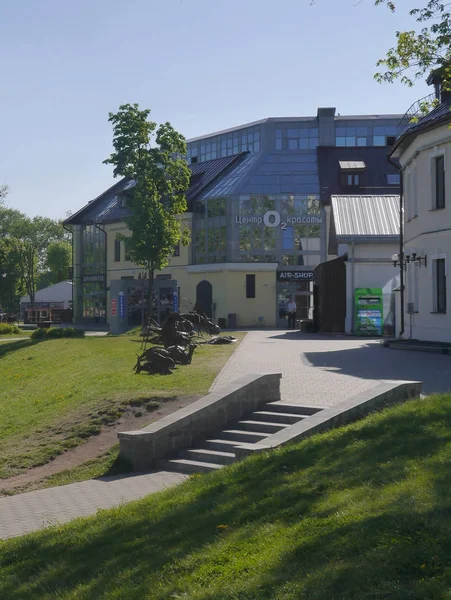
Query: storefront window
point(94, 273)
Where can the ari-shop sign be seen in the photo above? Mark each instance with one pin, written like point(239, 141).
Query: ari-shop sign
point(287, 275)
point(113, 307)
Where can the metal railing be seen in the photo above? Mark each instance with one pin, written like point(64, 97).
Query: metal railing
point(415, 112)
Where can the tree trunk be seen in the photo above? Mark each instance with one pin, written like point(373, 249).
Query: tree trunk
point(150, 304)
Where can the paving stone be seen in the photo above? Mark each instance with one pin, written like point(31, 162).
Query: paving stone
point(317, 371)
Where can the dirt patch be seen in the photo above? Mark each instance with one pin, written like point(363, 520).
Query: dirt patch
point(134, 417)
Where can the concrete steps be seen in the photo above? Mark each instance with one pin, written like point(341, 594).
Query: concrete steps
point(218, 451)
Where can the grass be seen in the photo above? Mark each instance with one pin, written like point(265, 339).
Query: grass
point(57, 393)
point(358, 513)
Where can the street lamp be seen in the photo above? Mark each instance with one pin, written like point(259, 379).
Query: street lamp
point(413, 258)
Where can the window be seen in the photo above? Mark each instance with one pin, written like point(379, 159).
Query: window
point(177, 250)
point(393, 179)
point(350, 179)
point(117, 250)
point(297, 139)
point(439, 176)
point(351, 136)
point(440, 285)
point(287, 238)
point(384, 135)
point(250, 286)
point(127, 256)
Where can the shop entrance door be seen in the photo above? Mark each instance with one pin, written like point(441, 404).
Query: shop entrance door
point(302, 293)
point(204, 296)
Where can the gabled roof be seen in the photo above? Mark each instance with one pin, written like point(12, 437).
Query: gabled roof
point(373, 180)
point(107, 207)
point(363, 218)
point(438, 116)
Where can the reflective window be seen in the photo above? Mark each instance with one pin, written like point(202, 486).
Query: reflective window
point(287, 238)
point(393, 179)
point(297, 139)
point(379, 140)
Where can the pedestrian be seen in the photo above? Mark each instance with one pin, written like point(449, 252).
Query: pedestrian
point(291, 314)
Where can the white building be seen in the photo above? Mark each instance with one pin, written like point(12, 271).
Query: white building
point(366, 228)
point(424, 152)
point(51, 304)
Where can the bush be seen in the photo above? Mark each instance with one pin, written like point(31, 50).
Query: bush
point(57, 332)
point(6, 328)
point(38, 334)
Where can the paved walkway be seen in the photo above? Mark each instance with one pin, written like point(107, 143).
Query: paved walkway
point(320, 370)
point(325, 370)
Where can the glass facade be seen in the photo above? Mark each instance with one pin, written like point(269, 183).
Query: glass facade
point(297, 139)
point(93, 274)
point(226, 144)
point(256, 228)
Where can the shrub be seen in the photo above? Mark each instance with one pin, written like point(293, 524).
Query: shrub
point(7, 328)
point(38, 334)
point(57, 332)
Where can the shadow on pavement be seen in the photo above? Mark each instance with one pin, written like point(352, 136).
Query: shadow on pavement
point(375, 362)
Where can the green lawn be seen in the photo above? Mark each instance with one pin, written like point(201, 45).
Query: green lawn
point(361, 512)
point(55, 394)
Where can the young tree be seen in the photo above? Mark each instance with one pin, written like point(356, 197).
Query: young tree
point(417, 53)
point(11, 283)
point(153, 157)
point(58, 260)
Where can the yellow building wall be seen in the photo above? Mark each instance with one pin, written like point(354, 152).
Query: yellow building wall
point(229, 286)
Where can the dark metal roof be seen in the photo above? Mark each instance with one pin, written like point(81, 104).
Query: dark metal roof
point(206, 173)
point(439, 115)
point(107, 207)
point(372, 181)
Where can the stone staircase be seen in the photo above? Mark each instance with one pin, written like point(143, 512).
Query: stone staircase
point(218, 450)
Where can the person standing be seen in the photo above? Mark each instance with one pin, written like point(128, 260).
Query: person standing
point(291, 314)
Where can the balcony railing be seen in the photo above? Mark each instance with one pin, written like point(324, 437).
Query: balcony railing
point(419, 109)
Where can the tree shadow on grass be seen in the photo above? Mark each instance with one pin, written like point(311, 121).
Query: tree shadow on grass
point(340, 503)
point(7, 347)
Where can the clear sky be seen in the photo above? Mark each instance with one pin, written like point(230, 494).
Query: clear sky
point(203, 65)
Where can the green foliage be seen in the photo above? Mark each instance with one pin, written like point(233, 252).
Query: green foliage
point(57, 332)
point(31, 238)
point(38, 334)
point(59, 259)
point(418, 52)
point(357, 513)
point(7, 328)
point(11, 286)
point(153, 157)
point(3, 193)
point(54, 394)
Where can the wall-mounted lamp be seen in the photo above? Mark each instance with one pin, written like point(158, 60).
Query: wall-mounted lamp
point(409, 258)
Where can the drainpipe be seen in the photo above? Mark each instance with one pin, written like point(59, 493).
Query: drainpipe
point(352, 288)
point(401, 239)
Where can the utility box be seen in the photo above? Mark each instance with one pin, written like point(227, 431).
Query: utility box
point(368, 311)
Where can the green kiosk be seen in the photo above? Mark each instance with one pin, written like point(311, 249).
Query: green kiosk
point(368, 311)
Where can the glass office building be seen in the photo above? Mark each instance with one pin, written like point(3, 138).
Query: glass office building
point(258, 225)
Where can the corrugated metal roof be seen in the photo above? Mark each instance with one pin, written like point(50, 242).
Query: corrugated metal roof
point(351, 165)
point(366, 216)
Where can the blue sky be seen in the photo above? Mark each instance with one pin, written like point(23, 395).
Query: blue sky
point(203, 65)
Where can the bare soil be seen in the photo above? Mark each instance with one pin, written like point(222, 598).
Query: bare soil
point(133, 418)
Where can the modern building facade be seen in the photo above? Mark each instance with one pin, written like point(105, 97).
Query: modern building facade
point(424, 152)
point(360, 190)
point(259, 228)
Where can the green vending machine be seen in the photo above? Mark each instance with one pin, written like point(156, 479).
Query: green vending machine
point(368, 311)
